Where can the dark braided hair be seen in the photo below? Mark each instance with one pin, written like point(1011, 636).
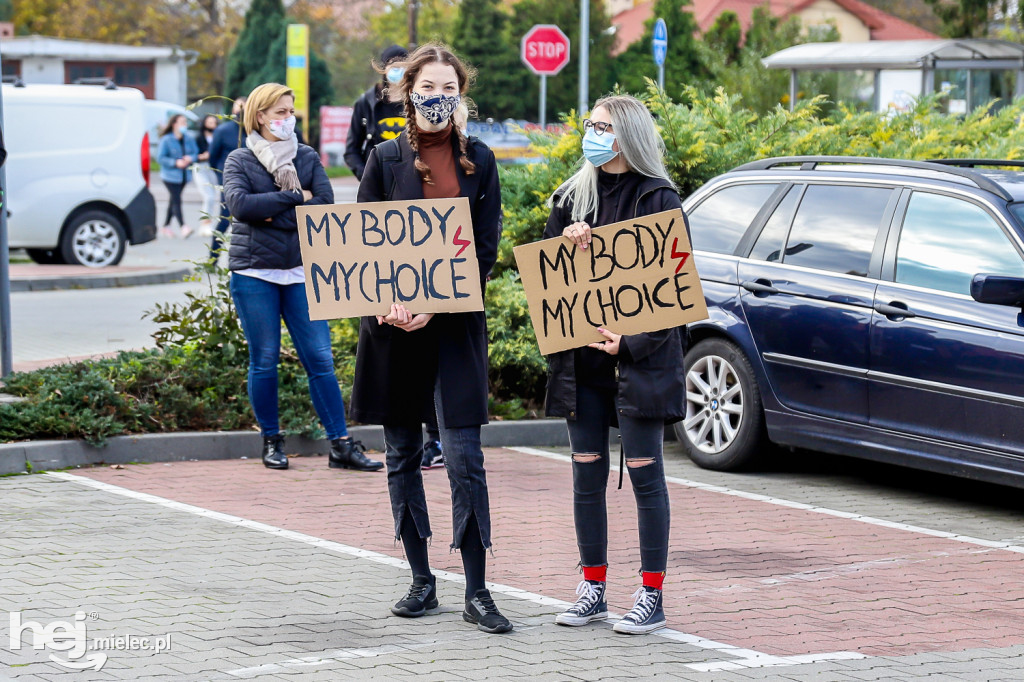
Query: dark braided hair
point(430, 53)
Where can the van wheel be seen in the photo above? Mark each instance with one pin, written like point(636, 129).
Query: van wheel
point(45, 256)
point(95, 239)
point(724, 425)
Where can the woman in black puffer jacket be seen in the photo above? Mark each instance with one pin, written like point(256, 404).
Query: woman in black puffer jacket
point(263, 183)
point(634, 381)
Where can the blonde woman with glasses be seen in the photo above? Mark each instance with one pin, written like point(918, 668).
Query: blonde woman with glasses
point(634, 382)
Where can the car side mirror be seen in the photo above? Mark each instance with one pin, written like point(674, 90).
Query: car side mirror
point(998, 290)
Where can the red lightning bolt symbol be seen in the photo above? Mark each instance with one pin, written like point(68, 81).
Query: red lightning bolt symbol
point(459, 242)
point(681, 255)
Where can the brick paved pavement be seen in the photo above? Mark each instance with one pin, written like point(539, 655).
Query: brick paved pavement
point(757, 586)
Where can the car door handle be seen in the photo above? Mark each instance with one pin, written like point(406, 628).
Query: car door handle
point(894, 310)
point(760, 286)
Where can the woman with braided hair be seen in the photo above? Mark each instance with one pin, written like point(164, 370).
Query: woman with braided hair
point(409, 363)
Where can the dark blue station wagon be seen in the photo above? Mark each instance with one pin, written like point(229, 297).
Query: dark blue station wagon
point(863, 307)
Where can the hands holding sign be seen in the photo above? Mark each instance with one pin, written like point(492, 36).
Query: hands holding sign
point(403, 319)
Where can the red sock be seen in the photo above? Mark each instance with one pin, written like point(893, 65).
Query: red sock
point(596, 573)
point(654, 580)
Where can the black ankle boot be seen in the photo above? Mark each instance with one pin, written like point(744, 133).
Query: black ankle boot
point(273, 455)
point(348, 453)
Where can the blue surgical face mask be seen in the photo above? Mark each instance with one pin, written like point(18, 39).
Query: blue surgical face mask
point(598, 148)
point(395, 74)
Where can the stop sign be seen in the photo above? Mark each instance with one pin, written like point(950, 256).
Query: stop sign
point(545, 49)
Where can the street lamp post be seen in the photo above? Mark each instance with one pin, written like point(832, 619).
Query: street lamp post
point(6, 345)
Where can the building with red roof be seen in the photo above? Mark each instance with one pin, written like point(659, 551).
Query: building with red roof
point(856, 21)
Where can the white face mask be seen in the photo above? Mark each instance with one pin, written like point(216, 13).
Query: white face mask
point(282, 128)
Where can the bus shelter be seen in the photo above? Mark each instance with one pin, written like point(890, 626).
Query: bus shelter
point(884, 75)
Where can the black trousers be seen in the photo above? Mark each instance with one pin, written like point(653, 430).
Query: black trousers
point(174, 205)
point(642, 443)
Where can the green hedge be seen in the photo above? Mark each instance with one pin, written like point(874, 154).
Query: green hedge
point(195, 379)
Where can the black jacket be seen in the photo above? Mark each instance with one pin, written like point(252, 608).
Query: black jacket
point(395, 369)
point(252, 197)
point(373, 121)
point(651, 382)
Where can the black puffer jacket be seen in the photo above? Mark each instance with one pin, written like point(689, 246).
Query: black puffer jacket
point(253, 197)
point(651, 381)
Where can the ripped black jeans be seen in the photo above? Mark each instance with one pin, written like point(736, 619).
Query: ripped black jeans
point(642, 442)
point(464, 462)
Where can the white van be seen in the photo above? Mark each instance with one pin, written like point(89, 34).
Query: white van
point(77, 172)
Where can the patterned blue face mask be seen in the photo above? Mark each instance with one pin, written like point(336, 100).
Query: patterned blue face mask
point(598, 148)
point(436, 108)
point(395, 74)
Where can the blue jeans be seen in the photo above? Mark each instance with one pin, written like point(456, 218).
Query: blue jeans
point(261, 305)
point(464, 462)
point(643, 447)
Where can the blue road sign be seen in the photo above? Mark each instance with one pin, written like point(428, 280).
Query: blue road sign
point(660, 42)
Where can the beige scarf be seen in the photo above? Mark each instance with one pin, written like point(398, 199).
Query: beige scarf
point(277, 158)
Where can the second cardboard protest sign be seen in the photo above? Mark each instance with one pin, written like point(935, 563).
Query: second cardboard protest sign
point(636, 276)
point(361, 258)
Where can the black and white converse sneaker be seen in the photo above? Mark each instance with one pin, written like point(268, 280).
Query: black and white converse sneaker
point(590, 605)
point(646, 614)
point(482, 611)
point(421, 597)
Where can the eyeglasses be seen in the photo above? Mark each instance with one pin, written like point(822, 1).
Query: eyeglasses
point(600, 127)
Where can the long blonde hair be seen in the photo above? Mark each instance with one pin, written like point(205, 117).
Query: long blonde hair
point(640, 144)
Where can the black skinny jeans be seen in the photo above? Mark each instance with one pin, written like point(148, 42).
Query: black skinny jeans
point(642, 442)
point(174, 189)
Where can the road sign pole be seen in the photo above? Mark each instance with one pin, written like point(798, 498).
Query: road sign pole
point(659, 46)
point(584, 57)
point(545, 50)
point(543, 102)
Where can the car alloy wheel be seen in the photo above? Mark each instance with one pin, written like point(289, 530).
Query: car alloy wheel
point(95, 239)
point(714, 404)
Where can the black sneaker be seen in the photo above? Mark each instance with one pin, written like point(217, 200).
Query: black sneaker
point(482, 611)
point(646, 614)
point(432, 457)
point(589, 607)
point(422, 597)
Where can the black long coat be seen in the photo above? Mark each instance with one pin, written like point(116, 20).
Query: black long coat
point(651, 381)
point(396, 369)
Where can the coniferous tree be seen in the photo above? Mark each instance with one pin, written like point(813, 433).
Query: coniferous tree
point(481, 38)
point(683, 64)
point(964, 18)
point(264, 23)
point(259, 56)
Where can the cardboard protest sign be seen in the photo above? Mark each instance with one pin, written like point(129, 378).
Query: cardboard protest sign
point(361, 258)
point(636, 276)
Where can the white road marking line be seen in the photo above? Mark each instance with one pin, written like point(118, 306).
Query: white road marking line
point(757, 497)
point(745, 658)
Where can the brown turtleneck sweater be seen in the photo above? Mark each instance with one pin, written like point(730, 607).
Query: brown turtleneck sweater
point(436, 151)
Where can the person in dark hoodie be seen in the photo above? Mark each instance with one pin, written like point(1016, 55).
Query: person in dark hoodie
point(635, 381)
point(375, 117)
